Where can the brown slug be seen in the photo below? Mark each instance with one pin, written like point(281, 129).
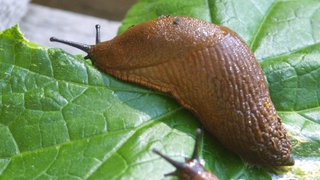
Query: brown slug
point(211, 71)
point(191, 169)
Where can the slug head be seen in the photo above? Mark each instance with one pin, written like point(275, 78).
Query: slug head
point(191, 169)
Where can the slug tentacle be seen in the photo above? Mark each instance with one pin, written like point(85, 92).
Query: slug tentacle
point(195, 154)
point(176, 164)
point(191, 169)
point(98, 38)
point(81, 46)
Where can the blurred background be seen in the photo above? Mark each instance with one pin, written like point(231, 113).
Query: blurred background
point(107, 9)
point(71, 20)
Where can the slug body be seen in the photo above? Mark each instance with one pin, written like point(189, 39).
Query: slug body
point(212, 72)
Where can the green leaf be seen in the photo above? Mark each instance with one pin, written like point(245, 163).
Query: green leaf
point(62, 118)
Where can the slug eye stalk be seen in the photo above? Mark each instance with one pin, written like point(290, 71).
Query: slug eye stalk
point(84, 47)
point(81, 46)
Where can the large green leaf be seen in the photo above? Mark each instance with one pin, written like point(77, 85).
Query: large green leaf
point(62, 118)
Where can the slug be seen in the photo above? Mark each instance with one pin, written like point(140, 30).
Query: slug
point(191, 169)
point(209, 70)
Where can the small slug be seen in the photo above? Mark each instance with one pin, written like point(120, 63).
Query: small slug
point(191, 169)
point(211, 71)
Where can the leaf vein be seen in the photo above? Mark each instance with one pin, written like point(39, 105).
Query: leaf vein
point(255, 36)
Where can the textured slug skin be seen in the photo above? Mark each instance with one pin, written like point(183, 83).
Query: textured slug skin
point(210, 71)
